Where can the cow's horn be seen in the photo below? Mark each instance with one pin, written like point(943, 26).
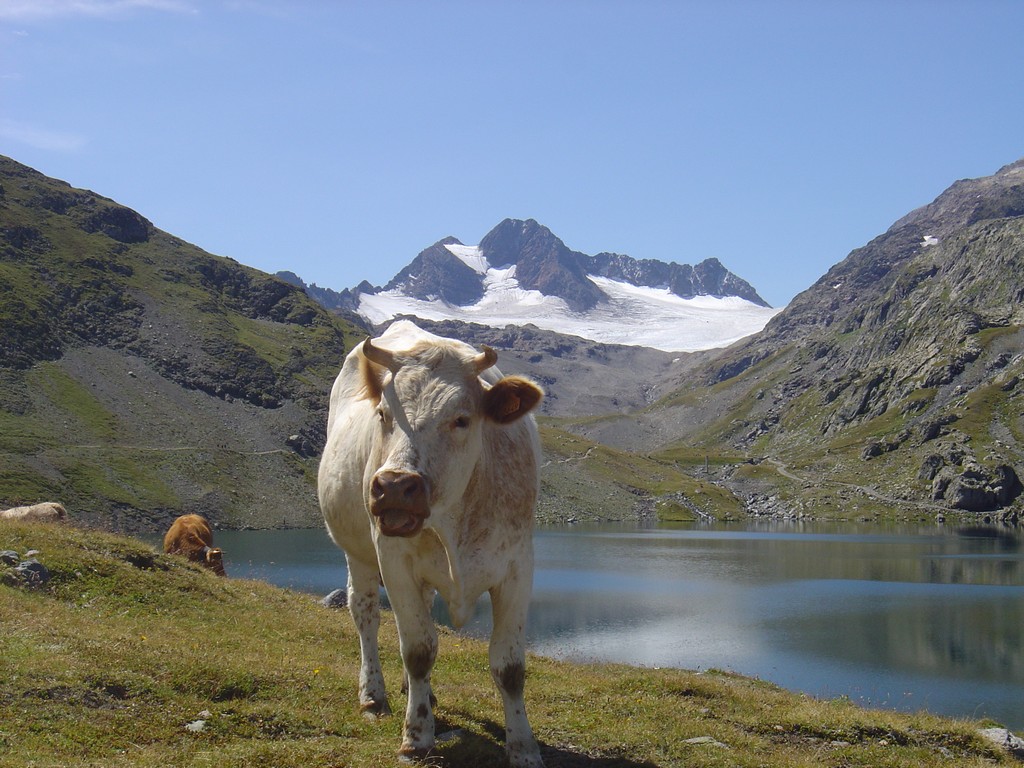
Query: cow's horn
point(381, 357)
point(485, 359)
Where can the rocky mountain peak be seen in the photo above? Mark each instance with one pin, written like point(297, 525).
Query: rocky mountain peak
point(708, 278)
point(542, 261)
point(899, 259)
point(969, 201)
point(504, 244)
point(437, 273)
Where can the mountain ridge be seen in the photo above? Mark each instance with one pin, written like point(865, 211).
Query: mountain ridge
point(543, 262)
point(896, 373)
point(521, 272)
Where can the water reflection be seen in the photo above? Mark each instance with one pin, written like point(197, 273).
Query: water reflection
point(900, 616)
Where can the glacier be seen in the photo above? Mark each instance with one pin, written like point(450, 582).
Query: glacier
point(635, 316)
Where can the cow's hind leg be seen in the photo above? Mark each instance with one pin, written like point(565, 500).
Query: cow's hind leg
point(509, 603)
point(364, 605)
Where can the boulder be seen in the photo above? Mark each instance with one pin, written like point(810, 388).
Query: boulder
point(32, 573)
point(977, 488)
point(1005, 740)
point(336, 599)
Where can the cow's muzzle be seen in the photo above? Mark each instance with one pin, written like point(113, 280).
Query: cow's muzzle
point(398, 501)
point(213, 557)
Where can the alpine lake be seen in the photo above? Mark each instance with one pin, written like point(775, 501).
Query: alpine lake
point(905, 617)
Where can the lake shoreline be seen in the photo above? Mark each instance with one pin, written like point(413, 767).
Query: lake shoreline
point(895, 609)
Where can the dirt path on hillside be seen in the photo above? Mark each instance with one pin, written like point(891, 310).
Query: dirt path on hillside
point(873, 493)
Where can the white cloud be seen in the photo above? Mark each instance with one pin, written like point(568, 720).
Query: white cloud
point(40, 138)
point(36, 10)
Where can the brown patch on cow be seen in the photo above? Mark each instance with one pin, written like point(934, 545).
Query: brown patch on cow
point(422, 711)
point(512, 679)
point(511, 398)
point(419, 662)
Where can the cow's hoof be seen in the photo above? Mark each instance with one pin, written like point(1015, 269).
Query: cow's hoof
point(375, 710)
point(414, 755)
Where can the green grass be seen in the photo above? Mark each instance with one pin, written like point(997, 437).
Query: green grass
point(661, 478)
point(128, 477)
point(124, 648)
point(24, 483)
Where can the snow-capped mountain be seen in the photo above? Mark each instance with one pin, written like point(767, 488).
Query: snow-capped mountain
point(522, 273)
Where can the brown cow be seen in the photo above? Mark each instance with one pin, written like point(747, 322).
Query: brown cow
point(46, 512)
point(190, 535)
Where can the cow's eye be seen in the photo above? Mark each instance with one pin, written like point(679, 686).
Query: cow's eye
point(461, 422)
point(382, 417)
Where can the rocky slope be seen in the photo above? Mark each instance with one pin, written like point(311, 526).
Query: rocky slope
point(141, 377)
point(581, 378)
point(892, 382)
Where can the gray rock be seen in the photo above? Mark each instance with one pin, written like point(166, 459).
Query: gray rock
point(1005, 740)
point(32, 573)
point(930, 467)
point(336, 599)
point(709, 740)
point(979, 489)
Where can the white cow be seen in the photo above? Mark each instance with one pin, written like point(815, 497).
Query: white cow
point(428, 481)
point(46, 511)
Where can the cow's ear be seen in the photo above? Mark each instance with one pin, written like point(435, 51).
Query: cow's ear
point(373, 379)
point(511, 398)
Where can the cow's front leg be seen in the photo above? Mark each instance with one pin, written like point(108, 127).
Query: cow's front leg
point(364, 605)
point(509, 604)
point(417, 638)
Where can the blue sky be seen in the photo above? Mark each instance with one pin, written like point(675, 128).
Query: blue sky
point(338, 139)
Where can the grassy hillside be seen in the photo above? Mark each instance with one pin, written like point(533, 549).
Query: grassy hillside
point(583, 480)
point(119, 656)
point(141, 376)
